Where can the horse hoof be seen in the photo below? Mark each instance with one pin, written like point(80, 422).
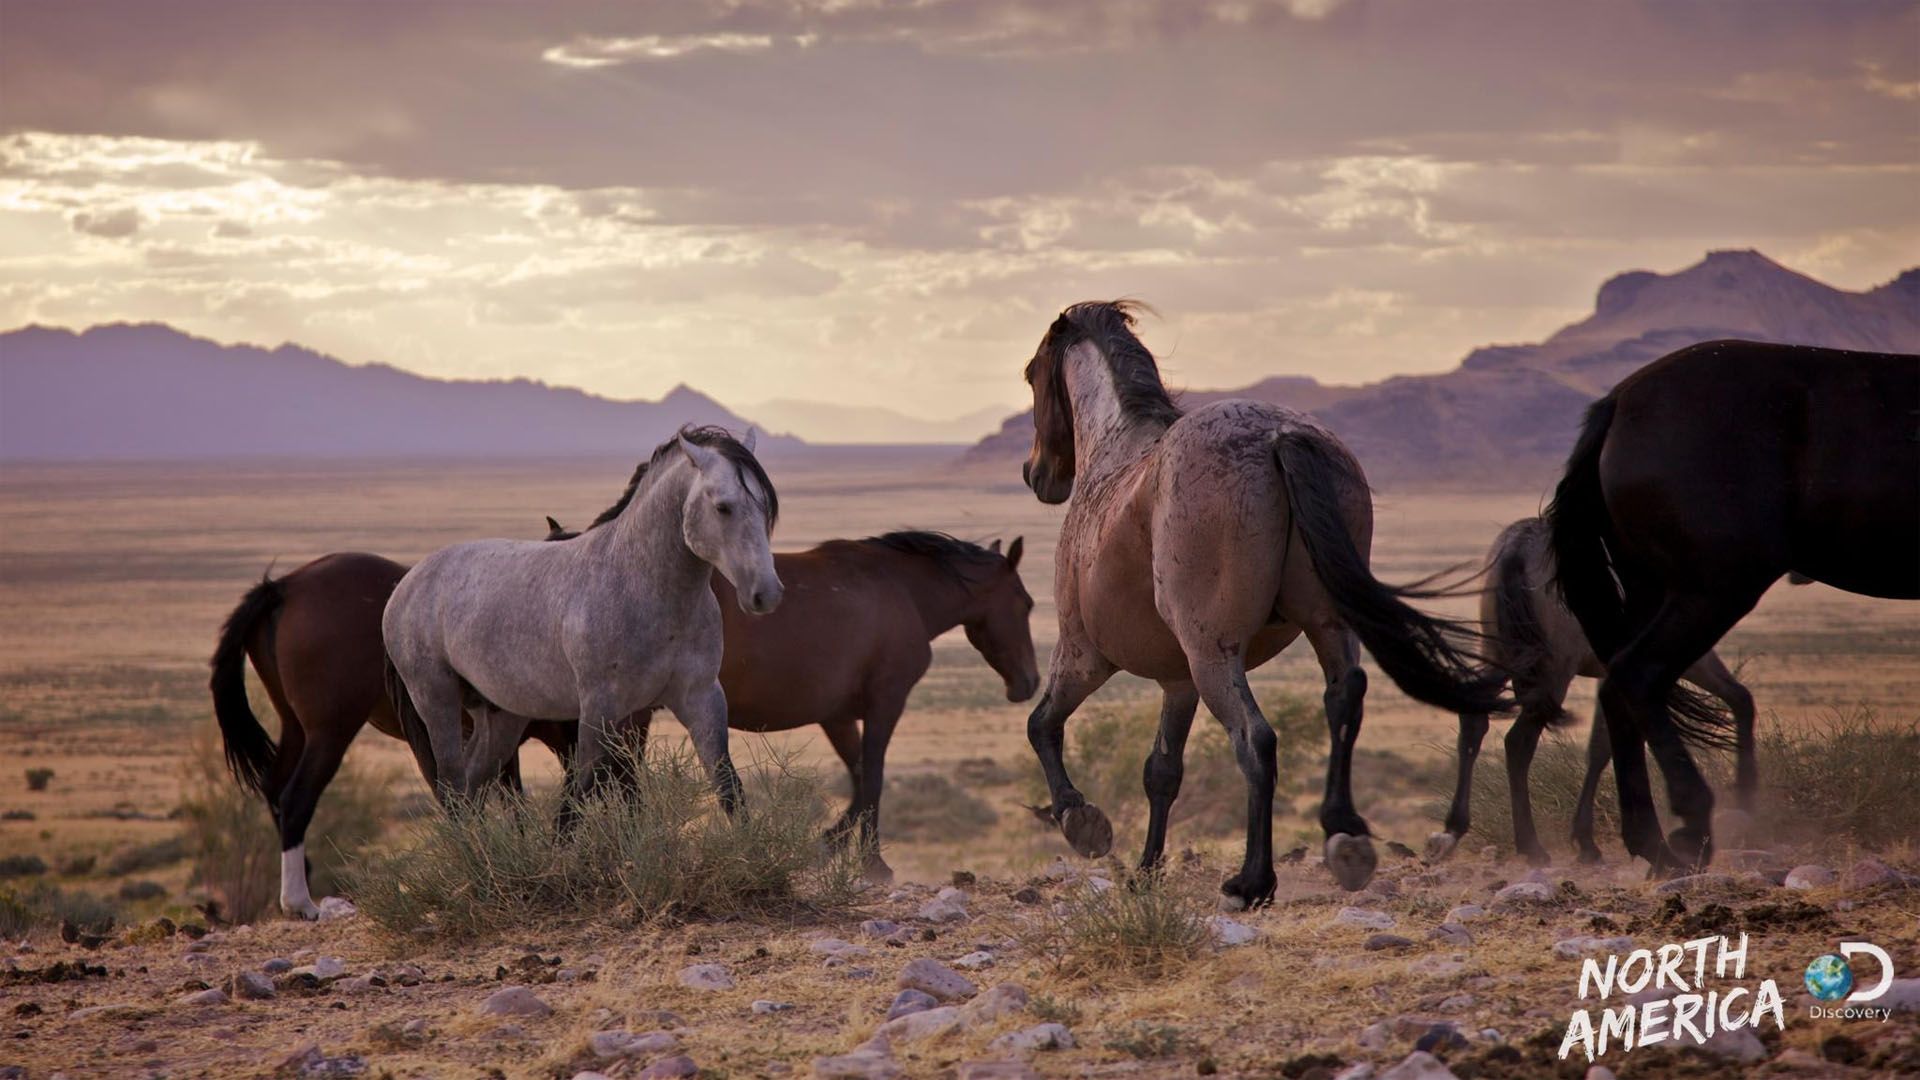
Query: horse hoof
point(1537, 857)
point(1351, 859)
point(877, 872)
point(1237, 893)
point(307, 912)
point(1087, 830)
point(1440, 846)
point(1693, 850)
point(1590, 857)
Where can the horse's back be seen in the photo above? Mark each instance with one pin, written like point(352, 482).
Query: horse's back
point(840, 625)
point(327, 646)
point(1804, 458)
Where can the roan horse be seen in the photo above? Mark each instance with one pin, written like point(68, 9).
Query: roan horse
point(613, 622)
point(314, 638)
point(1534, 639)
point(1199, 545)
point(1695, 484)
point(852, 638)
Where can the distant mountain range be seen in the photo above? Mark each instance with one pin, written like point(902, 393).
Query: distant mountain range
point(1507, 415)
point(822, 421)
point(149, 391)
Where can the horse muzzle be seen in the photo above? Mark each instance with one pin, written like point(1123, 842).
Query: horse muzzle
point(1046, 486)
point(761, 599)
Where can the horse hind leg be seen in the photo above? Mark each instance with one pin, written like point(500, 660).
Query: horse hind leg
point(319, 760)
point(1541, 704)
point(1710, 674)
point(1599, 752)
point(1349, 851)
point(1441, 845)
point(1222, 682)
point(1634, 694)
point(1166, 765)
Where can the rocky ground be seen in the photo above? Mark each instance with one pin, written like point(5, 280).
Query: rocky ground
point(1468, 969)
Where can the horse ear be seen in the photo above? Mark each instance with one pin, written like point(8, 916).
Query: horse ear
point(552, 525)
point(753, 436)
point(702, 457)
point(1015, 550)
point(995, 546)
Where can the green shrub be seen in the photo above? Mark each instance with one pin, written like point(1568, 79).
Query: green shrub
point(38, 779)
point(13, 866)
point(145, 858)
point(662, 849)
point(1148, 927)
point(45, 906)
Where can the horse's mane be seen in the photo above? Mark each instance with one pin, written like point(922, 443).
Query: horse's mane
point(950, 553)
point(717, 439)
point(1136, 376)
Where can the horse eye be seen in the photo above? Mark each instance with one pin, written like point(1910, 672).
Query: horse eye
point(726, 509)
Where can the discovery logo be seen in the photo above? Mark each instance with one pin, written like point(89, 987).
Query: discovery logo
point(1831, 978)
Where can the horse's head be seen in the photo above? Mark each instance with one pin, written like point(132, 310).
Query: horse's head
point(729, 514)
point(1049, 467)
point(998, 623)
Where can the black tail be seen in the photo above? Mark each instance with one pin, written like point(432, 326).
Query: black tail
point(412, 726)
point(1425, 656)
point(1520, 636)
point(251, 752)
point(1580, 531)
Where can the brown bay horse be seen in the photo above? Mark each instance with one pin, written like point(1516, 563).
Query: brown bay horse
point(314, 638)
point(848, 644)
point(1535, 640)
point(1197, 545)
point(1697, 483)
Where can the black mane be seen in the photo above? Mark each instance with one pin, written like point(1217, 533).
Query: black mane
point(950, 553)
point(713, 438)
point(1136, 377)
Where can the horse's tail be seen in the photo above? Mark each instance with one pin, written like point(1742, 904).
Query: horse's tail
point(251, 753)
point(1580, 532)
point(411, 725)
point(1519, 632)
point(1427, 657)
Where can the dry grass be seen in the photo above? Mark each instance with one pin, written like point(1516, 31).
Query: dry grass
point(1148, 928)
point(664, 849)
point(1846, 778)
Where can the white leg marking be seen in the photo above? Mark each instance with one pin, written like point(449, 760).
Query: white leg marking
point(294, 898)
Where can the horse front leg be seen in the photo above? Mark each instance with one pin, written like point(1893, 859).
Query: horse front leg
point(1068, 684)
point(703, 712)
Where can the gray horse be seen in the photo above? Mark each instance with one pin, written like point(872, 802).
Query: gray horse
point(616, 621)
point(1537, 641)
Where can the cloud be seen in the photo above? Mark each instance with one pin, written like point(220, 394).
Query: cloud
point(596, 52)
point(114, 224)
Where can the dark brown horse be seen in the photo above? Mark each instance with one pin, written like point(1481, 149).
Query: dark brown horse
point(314, 638)
point(854, 643)
point(852, 638)
point(1695, 484)
point(1534, 639)
point(1197, 546)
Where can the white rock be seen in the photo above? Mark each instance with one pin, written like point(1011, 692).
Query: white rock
point(920, 1026)
point(1518, 894)
point(763, 1006)
point(879, 928)
point(937, 979)
point(1465, 913)
point(941, 911)
point(253, 986)
point(862, 1064)
point(911, 1001)
point(1451, 933)
point(514, 1001)
point(1574, 948)
point(1228, 933)
point(625, 1044)
point(1419, 1065)
point(974, 961)
point(204, 997)
point(669, 1068)
point(706, 977)
point(1363, 918)
point(845, 950)
point(1359, 1071)
point(1810, 877)
point(954, 896)
point(325, 967)
point(337, 907)
point(1033, 1039)
point(1001, 999)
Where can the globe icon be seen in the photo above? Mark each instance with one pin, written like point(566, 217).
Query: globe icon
point(1829, 977)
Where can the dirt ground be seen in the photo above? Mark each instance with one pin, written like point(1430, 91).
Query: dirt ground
point(113, 581)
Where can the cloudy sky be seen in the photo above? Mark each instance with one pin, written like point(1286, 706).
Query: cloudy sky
point(885, 203)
